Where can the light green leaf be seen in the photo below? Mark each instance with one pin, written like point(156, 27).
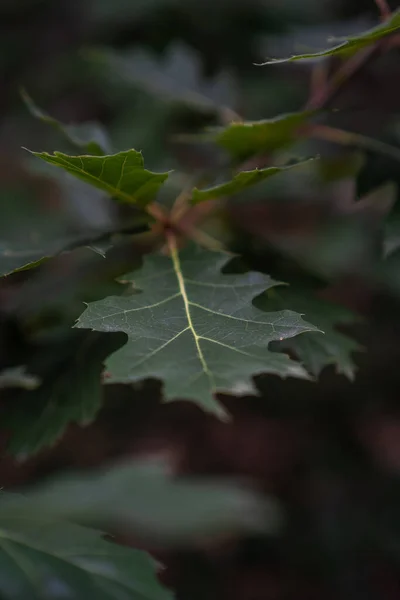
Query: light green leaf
point(194, 328)
point(250, 138)
point(121, 175)
point(349, 45)
point(88, 137)
point(146, 500)
point(71, 393)
point(43, 559)
point(318, 349)
point(240, 182)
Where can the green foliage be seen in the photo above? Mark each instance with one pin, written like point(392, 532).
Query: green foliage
point(187, 313)
point(87, 137)
point(73, 393)
point(176, 78)
point(242, 140)
point(43, 558)
point(121, 175)
point(39, 235)
point(240, 182)
point(13, 261)
point(180, 315)
point(350, 45)
point(319, 349)
point(142, 498)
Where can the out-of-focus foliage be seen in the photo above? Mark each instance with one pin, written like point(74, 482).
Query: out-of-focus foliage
point(350, 45)
point(179, 84)
point(144, 499)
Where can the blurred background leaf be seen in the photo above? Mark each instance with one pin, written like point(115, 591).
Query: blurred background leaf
point(144, 499)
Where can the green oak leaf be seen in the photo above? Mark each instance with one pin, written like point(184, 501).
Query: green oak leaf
point(248, 138)
point(195, 328)
point(121, 175)
point(240, 182)
point(317, 349)
point(71, 392)
point(42, 559)
point(142, 497)
point(349, 45)
point(88, 137)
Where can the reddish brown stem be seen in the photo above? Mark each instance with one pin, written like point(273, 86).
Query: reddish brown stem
point(383, 8)
point(158, 212)
point(348, 138)
point(319, 78)
point(325, 94)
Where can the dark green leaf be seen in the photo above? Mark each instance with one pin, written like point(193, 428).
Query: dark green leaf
point(194, 328)
point(177, 77)
point(30, 233)
point(121, 175)
point(14, 260)
point(72, 392)
point(240, 182)
point(242, 140)
point(146, 500)
point(42, 559)
point(321, 348)
point(88, 137)
point(348, 45)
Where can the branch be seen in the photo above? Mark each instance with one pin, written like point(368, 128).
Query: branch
point(384, 9)
point(348, 138)
point(323, 95)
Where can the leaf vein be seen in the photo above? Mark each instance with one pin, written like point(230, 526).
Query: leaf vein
point(182, 289)
point(220, 314)
point(157, 350)
point(148, 307)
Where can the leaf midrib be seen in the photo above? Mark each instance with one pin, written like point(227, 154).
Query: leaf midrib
point(182, 289)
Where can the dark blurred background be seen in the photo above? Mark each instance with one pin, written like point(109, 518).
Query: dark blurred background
point(141, 73)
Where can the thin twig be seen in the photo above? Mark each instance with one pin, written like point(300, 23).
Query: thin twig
point(348, 138)
point(181, 204)
point(157, 211)
point(206, 240)
point(322, 96)
point(384, 9)
point(319, 78)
